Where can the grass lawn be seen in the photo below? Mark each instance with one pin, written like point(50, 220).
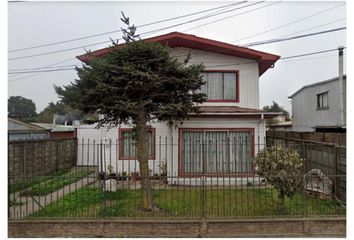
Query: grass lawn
point(219, 203)
point(20, 185)
point(57, 182)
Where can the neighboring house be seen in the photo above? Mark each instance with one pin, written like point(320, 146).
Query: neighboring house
point(316, 107)
point(279, 123)
point(280, 118)
point(57, 130)
point(223, 138)
point(18, 130)
point(281, 126)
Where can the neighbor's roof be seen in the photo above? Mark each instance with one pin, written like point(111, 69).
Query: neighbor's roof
point(56, 127)
point(18, 125)
point(177, 39)
point(282, 124)
point(227, 109)
point(317, 83)
point(46, 126)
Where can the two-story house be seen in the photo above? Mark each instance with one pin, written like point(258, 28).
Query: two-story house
point(316, 107)
point(221, 140)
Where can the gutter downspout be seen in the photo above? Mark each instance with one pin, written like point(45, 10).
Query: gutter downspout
point(341, 93)
point(261, 122)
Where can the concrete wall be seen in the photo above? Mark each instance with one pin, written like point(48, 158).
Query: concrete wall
point(278, 227)
point(40, 157)
point(306, 116)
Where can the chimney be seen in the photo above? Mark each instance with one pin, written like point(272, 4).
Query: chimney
point(54, 116)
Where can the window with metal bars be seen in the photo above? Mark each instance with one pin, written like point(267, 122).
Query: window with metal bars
point(209, 151)
point(127, 144)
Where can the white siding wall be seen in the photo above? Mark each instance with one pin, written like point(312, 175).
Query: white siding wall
point(249, 97)
point(248, 73)
point(90, 138)
point(166, 146)
point(304, 107)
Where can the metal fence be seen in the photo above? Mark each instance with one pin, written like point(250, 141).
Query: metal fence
point(212, 178)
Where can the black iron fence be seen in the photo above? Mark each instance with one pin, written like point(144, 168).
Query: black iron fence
point(210, 178)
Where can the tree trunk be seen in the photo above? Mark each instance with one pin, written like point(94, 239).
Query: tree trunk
point(282, 203)
point(143, 161)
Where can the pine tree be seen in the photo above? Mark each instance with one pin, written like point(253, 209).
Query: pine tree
point(136, 84)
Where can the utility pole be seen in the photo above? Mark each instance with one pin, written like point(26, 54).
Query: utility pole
point(342, 121)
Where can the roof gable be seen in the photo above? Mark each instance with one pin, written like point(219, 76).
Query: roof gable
point(177, 39)
point(316, 84)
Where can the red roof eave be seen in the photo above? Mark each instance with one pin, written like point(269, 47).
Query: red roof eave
point(176, 39)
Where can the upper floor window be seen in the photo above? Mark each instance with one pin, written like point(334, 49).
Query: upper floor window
point(322, 101)
point(221, 86)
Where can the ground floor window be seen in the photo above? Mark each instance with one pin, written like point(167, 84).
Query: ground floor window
point(127, 144)
point(216, 151)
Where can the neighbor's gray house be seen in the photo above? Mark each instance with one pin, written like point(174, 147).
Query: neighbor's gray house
point(18, 130)
point(222, 139)
point(317, 107)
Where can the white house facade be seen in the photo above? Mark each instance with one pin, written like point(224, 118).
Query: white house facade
point(316, 107)
point(220, 141)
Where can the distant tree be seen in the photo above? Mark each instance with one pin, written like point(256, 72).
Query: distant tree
point(21, 108)
point(63, 111)
point(276, 108)
point(135, 84)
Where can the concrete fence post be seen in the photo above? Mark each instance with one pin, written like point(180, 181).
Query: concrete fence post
point(57, 156)
point(24, 161)
point(335, 156)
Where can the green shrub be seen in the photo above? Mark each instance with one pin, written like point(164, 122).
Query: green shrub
point(282, 168)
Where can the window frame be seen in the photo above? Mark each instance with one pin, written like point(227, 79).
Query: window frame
point(319, 96)
point(233, 174)
point(120, 141)
point(237, 100)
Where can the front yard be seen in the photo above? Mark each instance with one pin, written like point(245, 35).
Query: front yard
point(186, 202)
point(46, 184)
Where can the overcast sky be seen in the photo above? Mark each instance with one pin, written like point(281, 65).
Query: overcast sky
point(37, 23)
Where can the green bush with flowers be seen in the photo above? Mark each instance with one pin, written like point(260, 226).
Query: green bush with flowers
point(282, 168)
